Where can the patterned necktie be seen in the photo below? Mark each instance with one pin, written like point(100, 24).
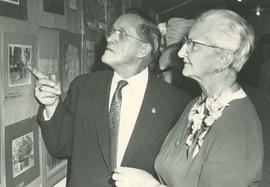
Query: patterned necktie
point(115, 110)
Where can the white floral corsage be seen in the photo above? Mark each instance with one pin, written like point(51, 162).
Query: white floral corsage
point(202, 116)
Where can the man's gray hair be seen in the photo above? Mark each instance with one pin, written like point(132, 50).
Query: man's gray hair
point(237, 34)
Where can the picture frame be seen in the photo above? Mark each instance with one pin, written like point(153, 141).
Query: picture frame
point(114, 10)
point(95, 13)
point(19, 51)
point(21, 152)
point(89, 56)
point(14, 9)
point(70, 58)
point(52, 14)
point(53, 169)
point(56, 7)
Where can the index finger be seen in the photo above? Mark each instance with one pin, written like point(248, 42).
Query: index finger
point(38, 74)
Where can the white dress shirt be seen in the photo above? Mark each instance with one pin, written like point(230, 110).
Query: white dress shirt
point(132, 97)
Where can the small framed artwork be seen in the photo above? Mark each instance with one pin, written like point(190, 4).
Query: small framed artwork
point(114, 10)
point(19, 57)
point(52, 14)
point(19, 52)
point(70, 58)
point(89, 56)
point(95, 13)
point(57, 7)
point(53, 169)
point(14, 9)
point(22, 153)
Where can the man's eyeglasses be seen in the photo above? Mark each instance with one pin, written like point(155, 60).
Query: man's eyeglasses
point(191, 42)
point(118, 35)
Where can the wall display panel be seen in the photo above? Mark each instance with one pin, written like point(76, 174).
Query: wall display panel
point(22, 153)
point(95, 13)
point(14, 9)
point(19, 52)
point(70, 58)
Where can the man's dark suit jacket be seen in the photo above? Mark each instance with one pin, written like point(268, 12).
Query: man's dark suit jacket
point(79, 128)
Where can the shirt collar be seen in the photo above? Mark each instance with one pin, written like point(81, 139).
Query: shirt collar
point(135, 81)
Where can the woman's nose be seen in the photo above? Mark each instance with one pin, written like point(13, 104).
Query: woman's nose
point(183, 51)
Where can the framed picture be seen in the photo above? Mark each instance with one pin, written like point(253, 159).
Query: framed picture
point(95, 13)
point(114, 10)
point(57, 7)
point(22, 153)
point(14, 9)
point(19, 56)
point(70, 58)
point(53, 169)
point(52, 14)
point(19, 52)
point(89, 56)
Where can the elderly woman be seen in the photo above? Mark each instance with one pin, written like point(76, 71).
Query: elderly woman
point(217, 142)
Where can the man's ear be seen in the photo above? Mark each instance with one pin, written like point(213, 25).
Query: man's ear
point(144, 50)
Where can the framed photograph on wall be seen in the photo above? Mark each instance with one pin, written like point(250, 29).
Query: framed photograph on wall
point(14, 9)
point(95, 13)
point(70, 58)
point(19, 52)
point(53, 169)
point(53, 6)
point(19, 57)
point(22, 153)
point(52, 14)
point(114, 10)
point(89, 56)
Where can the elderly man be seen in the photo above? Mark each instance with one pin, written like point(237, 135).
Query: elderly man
point(111, 118)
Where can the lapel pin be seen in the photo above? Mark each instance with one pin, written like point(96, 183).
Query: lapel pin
point(154, 110)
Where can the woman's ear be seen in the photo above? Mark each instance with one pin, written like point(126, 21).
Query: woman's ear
point(144, 50)
point(225, 59)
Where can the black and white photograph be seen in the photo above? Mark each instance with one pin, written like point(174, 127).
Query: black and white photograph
point(135, 93)
point(22, 153)
point(19, 59)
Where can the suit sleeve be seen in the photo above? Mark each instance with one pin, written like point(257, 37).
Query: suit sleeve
point(57, 132)
point(234, 160)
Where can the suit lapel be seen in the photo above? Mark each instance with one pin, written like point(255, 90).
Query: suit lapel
point(101, 116)
point(146, 117)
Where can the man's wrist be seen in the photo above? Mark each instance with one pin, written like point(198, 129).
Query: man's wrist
point(49, 110)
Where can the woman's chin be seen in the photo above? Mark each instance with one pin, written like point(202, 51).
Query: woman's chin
point(187, 70)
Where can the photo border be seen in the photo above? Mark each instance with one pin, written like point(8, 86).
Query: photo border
point(13, 10)
point(12, 132)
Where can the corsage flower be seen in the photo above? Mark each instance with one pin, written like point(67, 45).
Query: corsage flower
point(202, 116)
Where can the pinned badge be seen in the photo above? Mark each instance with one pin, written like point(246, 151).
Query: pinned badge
point(154, 110)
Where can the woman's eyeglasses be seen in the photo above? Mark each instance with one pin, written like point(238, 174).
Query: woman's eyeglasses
point(191, 42)
point(118, 35)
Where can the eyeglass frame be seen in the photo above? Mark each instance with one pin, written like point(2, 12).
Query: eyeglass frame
point(189, 41)
point(117, 32)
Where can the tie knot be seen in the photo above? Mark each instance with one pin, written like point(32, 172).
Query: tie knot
point(121, 84)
